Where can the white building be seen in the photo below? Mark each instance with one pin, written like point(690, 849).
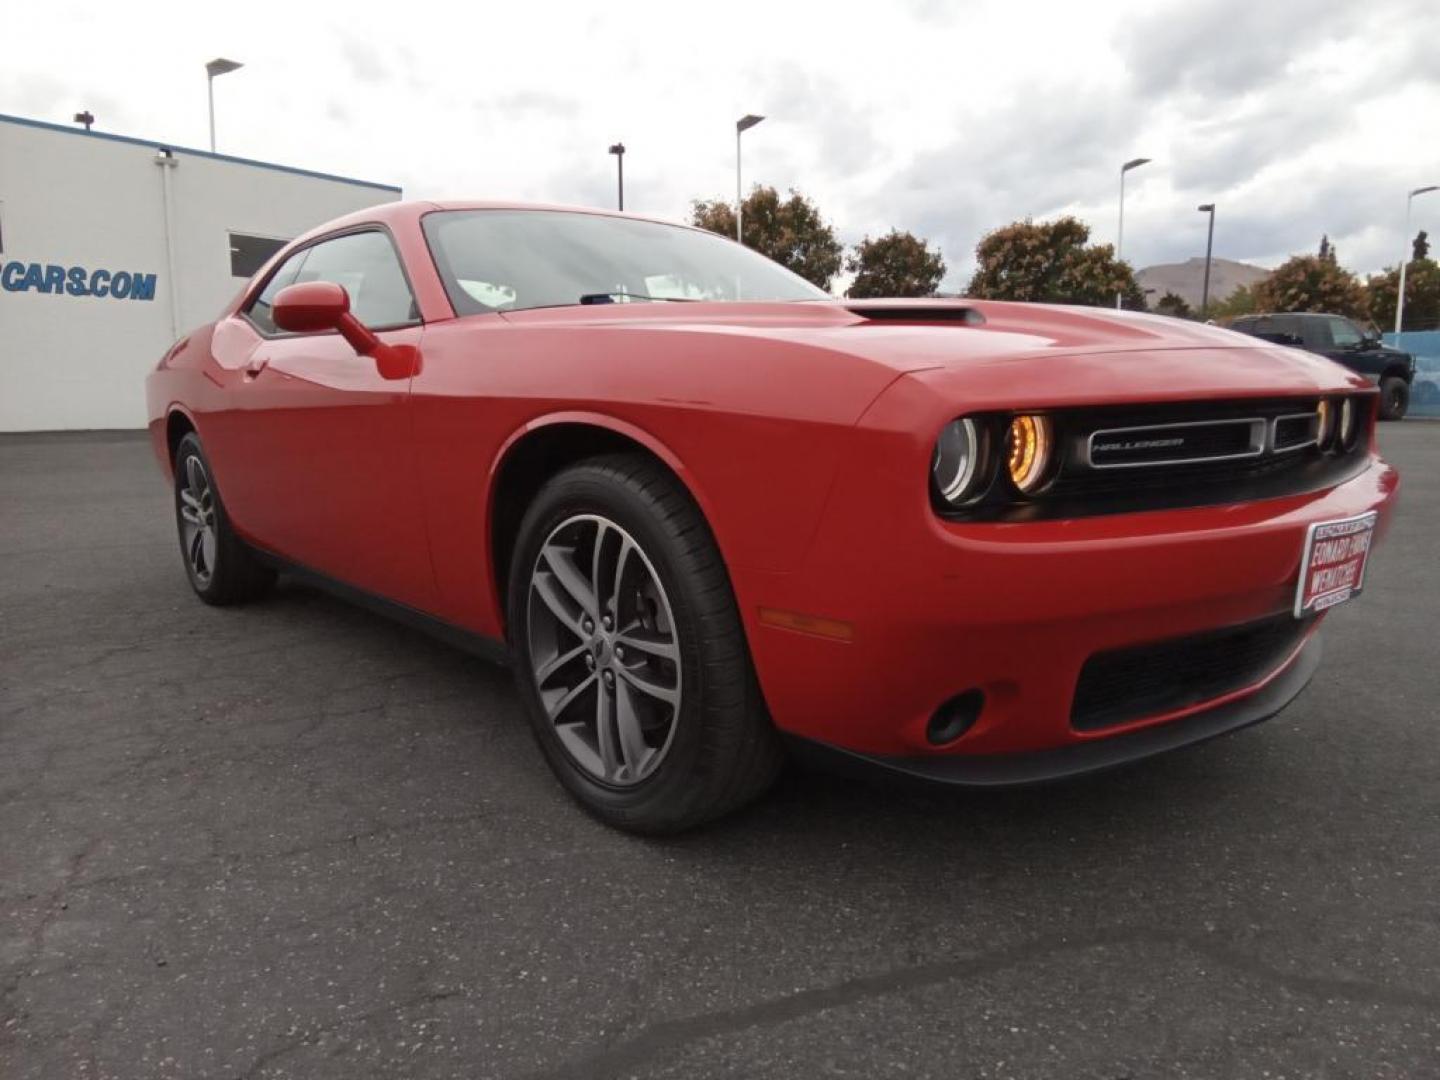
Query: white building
point(111, 248)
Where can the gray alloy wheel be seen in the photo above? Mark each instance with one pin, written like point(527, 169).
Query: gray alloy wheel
point(603, 650)
point(630, 655)
point(197, 521)
point(221, 569)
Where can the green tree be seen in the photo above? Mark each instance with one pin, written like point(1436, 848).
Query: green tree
point(1422, 295)
point(1174, 305)
point(1240, 302)
point(1311, 283)
point(1052, 262)
point(1420, 248)
point(790, 231)
point(896, 264)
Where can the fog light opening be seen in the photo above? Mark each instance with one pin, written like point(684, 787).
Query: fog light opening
point(955, 717)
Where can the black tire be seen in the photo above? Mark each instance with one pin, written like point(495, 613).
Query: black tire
point(721, 750)
point(1394, 397)
point(221, 568)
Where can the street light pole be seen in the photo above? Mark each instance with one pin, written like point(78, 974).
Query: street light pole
point(745, 123)
point(1209, 243)
point(218, 66)
point(1405, 255)
point(618, 149)
point(1134, 163)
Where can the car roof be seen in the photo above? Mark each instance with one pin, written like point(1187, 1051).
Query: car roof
point(394, 212)
point(1289, 315)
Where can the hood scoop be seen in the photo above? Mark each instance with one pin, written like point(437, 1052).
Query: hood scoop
point(920, 314)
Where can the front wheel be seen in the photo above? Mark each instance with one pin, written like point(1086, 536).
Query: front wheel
point(632, 660)
point(221, 568)
point(1394, 397)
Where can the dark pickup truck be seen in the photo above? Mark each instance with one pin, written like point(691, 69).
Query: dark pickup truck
point(1338, 338)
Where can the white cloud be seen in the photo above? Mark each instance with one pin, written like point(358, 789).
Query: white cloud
point(1296, 117)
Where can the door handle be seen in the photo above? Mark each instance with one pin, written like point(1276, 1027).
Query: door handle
point(254, 367)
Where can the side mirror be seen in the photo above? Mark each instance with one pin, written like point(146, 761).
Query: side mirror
point(313, 307)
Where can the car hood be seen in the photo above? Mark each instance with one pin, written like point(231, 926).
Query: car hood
point(1056, 353)
point(1390, 350)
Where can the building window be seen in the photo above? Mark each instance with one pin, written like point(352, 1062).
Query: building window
point(249, 253)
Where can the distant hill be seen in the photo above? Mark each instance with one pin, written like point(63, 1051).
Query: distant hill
point(1187, 278)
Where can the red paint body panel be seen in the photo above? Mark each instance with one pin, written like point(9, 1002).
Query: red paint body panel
point(804, 432)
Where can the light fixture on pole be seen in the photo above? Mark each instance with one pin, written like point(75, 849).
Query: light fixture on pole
point(1209, 208)
point(618, 149)
point(1405, 256)
point(1133, 163)
point(745, 123)
point(218, 66)
point(87, 118)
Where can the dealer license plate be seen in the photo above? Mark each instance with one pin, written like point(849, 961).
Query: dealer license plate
point(1333, 567)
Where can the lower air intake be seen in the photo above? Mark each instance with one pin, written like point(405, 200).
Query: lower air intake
point(1123, 685)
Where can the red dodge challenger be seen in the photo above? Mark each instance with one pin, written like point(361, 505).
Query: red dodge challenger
point(707, 511)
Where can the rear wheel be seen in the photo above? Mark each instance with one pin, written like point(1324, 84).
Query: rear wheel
point(631, 658)
point(1394, 397)
point(222, 570)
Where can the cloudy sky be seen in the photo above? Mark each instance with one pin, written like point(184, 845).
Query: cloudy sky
point(1296, 117)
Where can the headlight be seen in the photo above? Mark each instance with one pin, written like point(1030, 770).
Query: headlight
point(958, 467)
point(1029, 443)
point(1325, 424)
point(1348, 426)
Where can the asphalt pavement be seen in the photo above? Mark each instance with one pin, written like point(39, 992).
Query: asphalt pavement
point(297, 840)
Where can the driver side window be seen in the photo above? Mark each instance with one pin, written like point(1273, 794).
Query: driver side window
point(1316, 333)
point(365, 263)
point(1345, 334)
point(259, 310)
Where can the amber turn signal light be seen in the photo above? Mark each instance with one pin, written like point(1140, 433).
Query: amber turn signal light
point(835, 629)
point(1029, 448)
point(1325, 424)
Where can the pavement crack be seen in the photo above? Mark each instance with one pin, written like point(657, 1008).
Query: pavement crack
point(625, 1056)
point(51, 907)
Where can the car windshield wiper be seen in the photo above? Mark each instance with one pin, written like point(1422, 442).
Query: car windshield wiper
point(609, 298)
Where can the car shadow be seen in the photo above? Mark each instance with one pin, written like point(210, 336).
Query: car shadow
point(880, 825)
point(1207, 806)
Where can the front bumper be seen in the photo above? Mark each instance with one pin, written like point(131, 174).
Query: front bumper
point(1015, 610)
point(1096, 755)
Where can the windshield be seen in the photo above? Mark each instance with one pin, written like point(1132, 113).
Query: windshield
point(510, 260)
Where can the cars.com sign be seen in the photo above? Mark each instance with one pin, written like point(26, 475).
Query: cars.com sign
point(76, 281)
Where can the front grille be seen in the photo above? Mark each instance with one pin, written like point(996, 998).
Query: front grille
point(1122, 685)
point(1123, 459)
point(1295, 432)
point(1175, 444)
